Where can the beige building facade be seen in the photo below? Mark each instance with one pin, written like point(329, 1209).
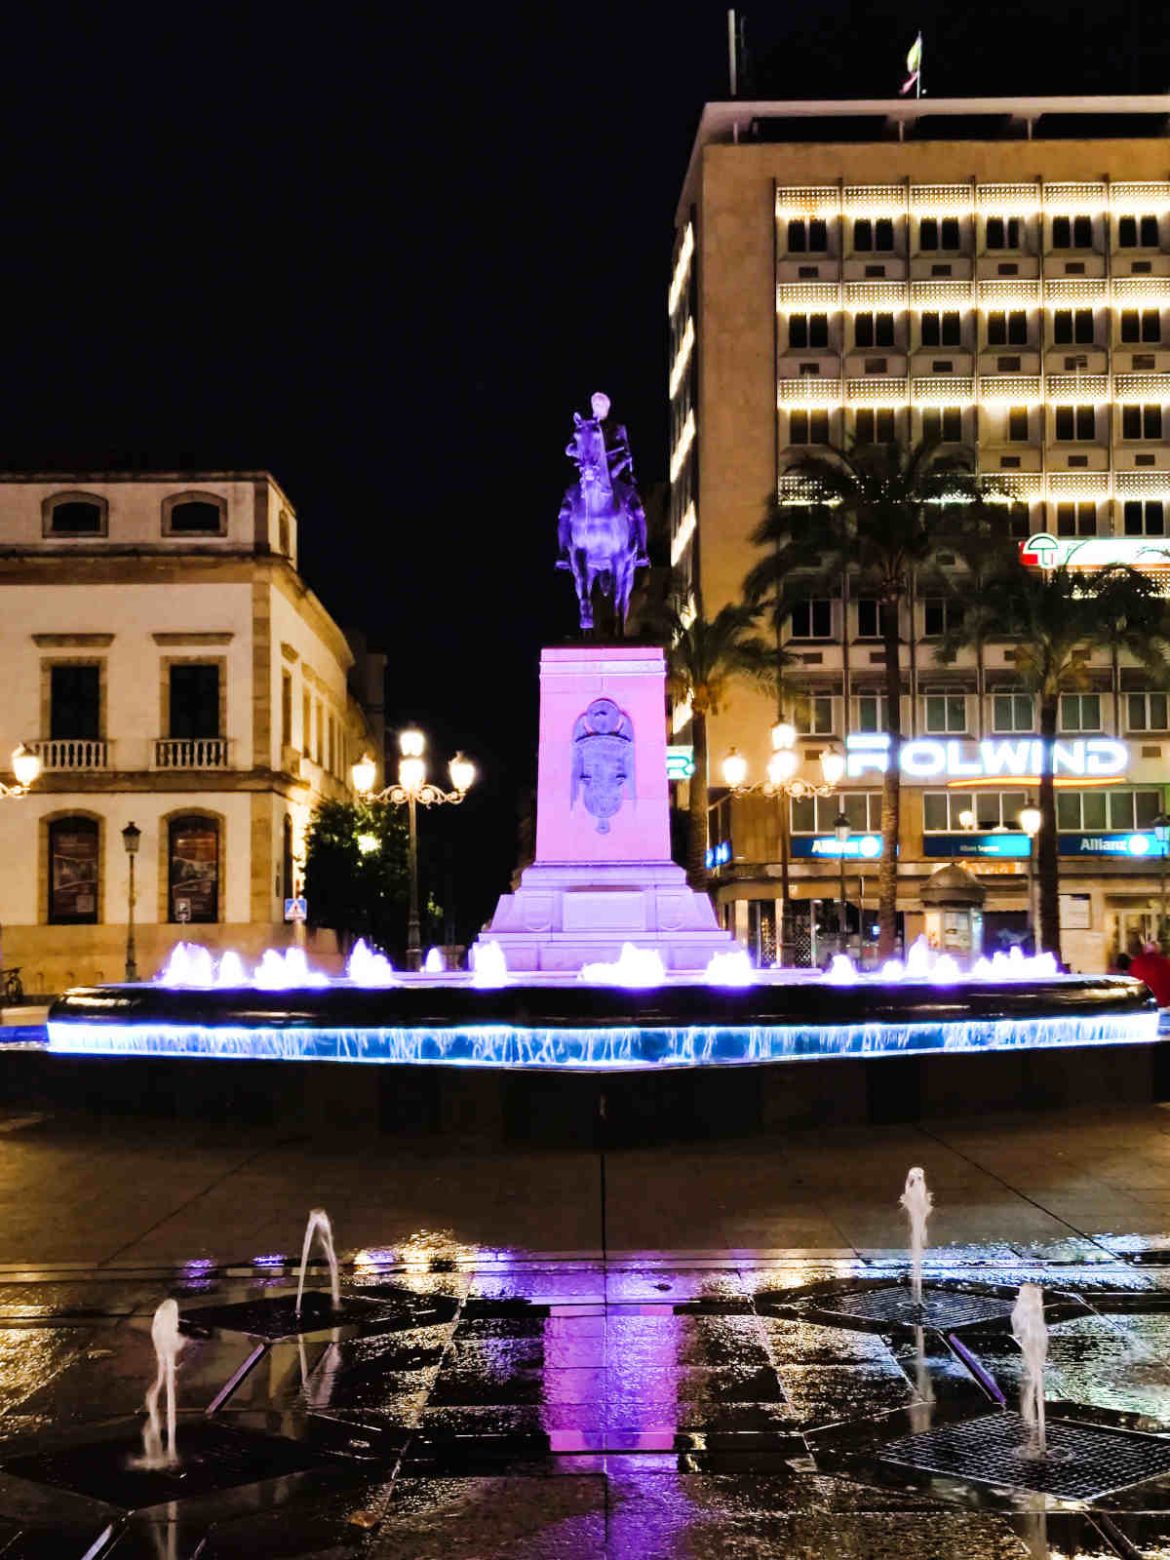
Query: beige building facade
point(171, 669)
point(991, 272)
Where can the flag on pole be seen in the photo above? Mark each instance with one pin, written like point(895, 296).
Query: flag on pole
point(913, 65)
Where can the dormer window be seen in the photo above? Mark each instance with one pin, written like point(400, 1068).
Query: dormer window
point(194, 514)
point(74, 514)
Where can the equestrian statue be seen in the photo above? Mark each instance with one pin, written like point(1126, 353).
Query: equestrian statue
point(601, 531)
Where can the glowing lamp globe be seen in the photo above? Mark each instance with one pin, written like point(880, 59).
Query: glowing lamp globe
point(26, 766)
point(966, 819)
point(462, 772)
point(783, 735)
point(412, 774)
point(364, 773)
point(782, 766)
point(367, 844)
point(412, 743)
point(1029, 821)
point(734, 769)
point(833, 767)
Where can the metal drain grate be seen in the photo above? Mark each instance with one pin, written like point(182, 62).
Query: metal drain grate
point(1084, 1461)
point(941, 1308)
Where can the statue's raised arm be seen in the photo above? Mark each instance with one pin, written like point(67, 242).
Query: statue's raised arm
point(601, 529)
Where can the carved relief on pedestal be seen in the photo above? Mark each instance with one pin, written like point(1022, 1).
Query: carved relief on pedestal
point(603, 761)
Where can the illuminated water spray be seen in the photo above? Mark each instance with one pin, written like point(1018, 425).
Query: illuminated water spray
point(1030, 1331)
point(158, 1452)
point(319, 1225)
point(918, 1203)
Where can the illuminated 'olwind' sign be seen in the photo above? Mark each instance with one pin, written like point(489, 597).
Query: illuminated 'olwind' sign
point(995, 758)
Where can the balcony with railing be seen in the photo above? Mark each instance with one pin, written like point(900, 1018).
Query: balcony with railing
point(72, 753)
point(192, 753)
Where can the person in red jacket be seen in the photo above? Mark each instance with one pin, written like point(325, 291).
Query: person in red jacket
point(1152, 966)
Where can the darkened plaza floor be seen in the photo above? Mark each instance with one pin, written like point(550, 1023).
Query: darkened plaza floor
point(691, 1351)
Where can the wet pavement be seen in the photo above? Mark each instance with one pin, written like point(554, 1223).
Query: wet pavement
point(509, 1374)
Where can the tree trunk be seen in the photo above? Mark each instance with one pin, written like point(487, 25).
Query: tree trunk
point(891, 790)
point(1047, 842)
point(697, 838)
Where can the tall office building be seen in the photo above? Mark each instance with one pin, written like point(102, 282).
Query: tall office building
point(992, 272)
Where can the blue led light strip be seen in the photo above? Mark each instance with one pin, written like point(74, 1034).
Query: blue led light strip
point(609, 1049)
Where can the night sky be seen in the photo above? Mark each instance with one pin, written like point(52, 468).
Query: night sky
point(385, 252)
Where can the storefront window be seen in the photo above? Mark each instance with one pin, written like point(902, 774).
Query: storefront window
point(193, 869)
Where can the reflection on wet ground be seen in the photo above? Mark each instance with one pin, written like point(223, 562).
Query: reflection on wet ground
point(489, 1406)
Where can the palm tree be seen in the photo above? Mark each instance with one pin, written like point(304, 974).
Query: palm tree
point(1055, 619)
point(878, 514)
point(704, 655)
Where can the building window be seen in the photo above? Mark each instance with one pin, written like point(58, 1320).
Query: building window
point(286, 857)
point(818, 814)
point(938, 233)
point(944, 712)
point(940, 614)
point(1072, 232)
point(874, 617)
point(808, 427)
point(74, 871)
point(944, 423)
point(942, 330)
point(75, 703)
point(1017, 425)
point(874, 425)
point(1076, 423)
point(812, 714)
point(74, 514)
point(1144, 517)
point(194, 514)
point(1147, 712)
point(193, 869)
point(1139, 325)
point(286, 703)
point(871, 237)
point(1007, 328)
point(812, 618)
point(1141, 422)
point(1080, 712)
point(1137, 232)
point(808, 237)
point(194, 700)
point(942, 811)
point(872, 712)
point(808, 330)
point(1003, 232)
point(1072, 326)
point(1076, 519)
point(873, 330)
point(1011, 712)
point(1126, 810)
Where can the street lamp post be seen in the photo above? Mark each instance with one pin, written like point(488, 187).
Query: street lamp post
point(26, 769)
point(1162, 835)
point(131, 839)
point(783, 782)
point(1030, 820)
point(412, 791)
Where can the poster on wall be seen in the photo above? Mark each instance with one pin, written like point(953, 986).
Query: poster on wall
point(194, 870)
point(73, 873)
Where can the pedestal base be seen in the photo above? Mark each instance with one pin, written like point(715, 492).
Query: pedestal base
point(565, 915)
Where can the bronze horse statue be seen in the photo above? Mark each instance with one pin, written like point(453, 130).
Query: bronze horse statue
point(601, 530)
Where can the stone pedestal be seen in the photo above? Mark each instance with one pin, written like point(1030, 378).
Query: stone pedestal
point(603, 874)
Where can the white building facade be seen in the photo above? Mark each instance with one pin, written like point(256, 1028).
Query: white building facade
point(170, 667)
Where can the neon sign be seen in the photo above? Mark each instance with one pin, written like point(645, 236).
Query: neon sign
point(995, 758)
point(1132, 845)
point(858, 847)
point(717, 855)
point(1045, 551)
point(680, 762)
point(1006, 844)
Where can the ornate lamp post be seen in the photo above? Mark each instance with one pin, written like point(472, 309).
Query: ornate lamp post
point(842, 829)
point(1162, 835)
point(412, 791)
point(1030, 820)
point(131, 839)
point(784, 783)
point(26, 767)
